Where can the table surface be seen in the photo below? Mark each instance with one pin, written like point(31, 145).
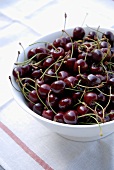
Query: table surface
point(24, 142)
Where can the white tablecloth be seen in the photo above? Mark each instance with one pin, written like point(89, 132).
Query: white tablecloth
point(24, 142)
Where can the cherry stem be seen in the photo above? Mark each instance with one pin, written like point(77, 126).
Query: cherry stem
point(13, 85)
point(50, 104)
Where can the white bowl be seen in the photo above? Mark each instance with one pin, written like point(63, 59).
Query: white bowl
point(72, 132)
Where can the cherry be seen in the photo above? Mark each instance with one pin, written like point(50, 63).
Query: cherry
point(72, 46)
point(111, 81)
point(48, 114)
point(90, 98)
point(31, 53)
point(82, 64)
point(36, 74)
point(97, 55)
point(62, 75)
point(109, 35)
point(65, 103)
point(39, 82)
point(49, 76)
point(71, 81)
point(38, 108)
point(92, 35)
point(59, 117)
point(58, 86)
point(95, 69)
point(70, 117)
point(78, 33)
point(30, 105)
point(69, 63)
point(93, 80)
point(103, 44)
point(60, 42)
point(82, 110)
point(76, 96)
point(44, 90)
point(111, 114)
point(101, 97)
point(107, 54)
point(57, 53)
point(18, 70)
point(52, 100)
point(33, 97)
point(48, 62)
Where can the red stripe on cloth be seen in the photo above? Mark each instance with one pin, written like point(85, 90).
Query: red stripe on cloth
point(25, 147)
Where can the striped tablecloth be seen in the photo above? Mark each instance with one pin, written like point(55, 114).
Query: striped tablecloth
point(25, 144)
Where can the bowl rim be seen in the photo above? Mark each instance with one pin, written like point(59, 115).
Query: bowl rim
point(24, 106)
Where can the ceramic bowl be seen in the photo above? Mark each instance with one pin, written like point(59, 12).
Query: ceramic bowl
point(72, 132)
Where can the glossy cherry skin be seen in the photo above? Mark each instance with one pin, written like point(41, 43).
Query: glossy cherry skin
point(38, 108)
point(50, 76)
point(111, 114)
point(48, 62)
point(52, 100)
point(65, 103)
point(48, 114)
point(62, 75)
point(58, 86)
point(82, 110)
point(110, 36)
point(59, 117)
point(18, 70)
point(93, 80)
point(97, 55)
point(92, 35)
point(82, 64)
point(90, 98)
point(57, 53)
point(95, 69)
point(76, 96)
point(71, 81)
point(36, 74)
point(44, 90)
point(60, 42)
point(78, 33)
point(69, 64)
point(70, 117)
point(31, 53)
point(33, 97)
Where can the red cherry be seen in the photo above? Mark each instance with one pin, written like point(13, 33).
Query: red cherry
point(48, 114)
point(90, 98)
point(70, 117)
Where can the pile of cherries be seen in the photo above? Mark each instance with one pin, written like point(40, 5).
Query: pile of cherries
point(70, 80)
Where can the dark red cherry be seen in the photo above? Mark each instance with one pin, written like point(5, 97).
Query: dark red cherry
point(58, 86)
point(101, 97)
point(103, 44)
point(39, 82)
point(36, 74)
point(31, 53)
point(111, 114)
point(70, 117)
point(57, 53)
point(69, 63)
point(97, 55)
point(60, 42)
point(95, 69)
point(78, 33)
point(44, 90)
point(81, 65)
point(18, 70)
point(65, 103)
point(62, 75)
point(76, 96)
point(33, 97)
point(52, 100)
point(92, 35)
point(49, 76)
point(38, 108)
point(71, 81)
point(48, 62)
point(111, 81)
point(90, 98)
point(82, 110)
point(110, 36)
point(48, 114)
point(93, 80)
point(59, 117)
